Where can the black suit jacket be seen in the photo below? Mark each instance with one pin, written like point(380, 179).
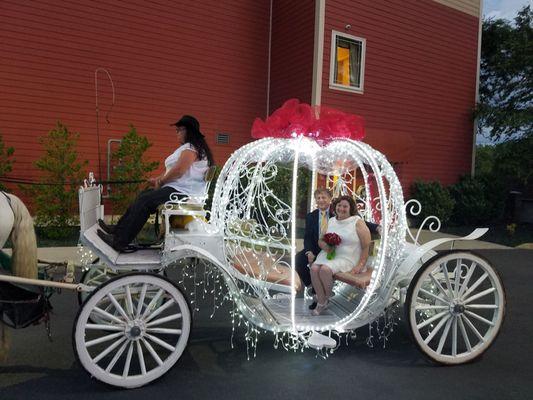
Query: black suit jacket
point(311, 231)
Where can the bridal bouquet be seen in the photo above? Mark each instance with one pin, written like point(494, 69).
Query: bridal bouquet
point(333, 240)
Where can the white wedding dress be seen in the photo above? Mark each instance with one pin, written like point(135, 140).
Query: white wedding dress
point(347, 254)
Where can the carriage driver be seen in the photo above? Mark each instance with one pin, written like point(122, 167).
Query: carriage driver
point(184, 175)
point(316, 224)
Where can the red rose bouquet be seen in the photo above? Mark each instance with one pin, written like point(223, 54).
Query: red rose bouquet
point(333, 240)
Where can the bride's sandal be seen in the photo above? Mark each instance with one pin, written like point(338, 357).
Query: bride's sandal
point(320, 308)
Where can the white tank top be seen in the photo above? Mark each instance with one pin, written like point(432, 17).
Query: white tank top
point(192, 181)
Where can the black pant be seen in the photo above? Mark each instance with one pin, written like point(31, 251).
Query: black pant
point(133, 220)
point(302, 268)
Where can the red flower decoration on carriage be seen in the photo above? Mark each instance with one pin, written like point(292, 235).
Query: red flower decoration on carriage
point(319, 122)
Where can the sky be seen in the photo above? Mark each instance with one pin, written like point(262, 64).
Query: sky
point(505, 9)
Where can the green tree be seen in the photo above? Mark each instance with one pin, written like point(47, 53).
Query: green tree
point(435, 200)
point(56, 200)
point(130, 165)
point(6, 160)
point(505, 108)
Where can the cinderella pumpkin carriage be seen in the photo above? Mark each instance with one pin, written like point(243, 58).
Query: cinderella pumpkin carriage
point(133, 324)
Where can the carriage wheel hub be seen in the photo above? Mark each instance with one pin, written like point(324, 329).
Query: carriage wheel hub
point(457, 308)
point(135, 330)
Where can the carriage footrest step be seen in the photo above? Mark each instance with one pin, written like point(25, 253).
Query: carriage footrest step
point(319, 341)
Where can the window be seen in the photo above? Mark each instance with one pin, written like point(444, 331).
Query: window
point(347, 62)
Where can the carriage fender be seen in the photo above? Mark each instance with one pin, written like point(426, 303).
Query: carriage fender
point(416, 253)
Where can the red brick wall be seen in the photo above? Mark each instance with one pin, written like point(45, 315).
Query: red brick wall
point(419, 87)
point(293, 29)
point(206, 58)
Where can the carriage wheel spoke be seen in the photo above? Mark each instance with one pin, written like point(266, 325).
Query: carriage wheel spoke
point(479, 318)
point(118, 307)
point(152, 303)
point(436, 329)
point(164, 331)
point(436, 282)
point(152, 352)
point(457, 278)
point(117, 356)
point(102, 327)
point(454, 337)
point(109, 349)
point(475, 285)
point(434, 296)
point(110, 317)
point(433, 318)
point(165, 319)
point(465, 335)
point(140, 303)
point(103, 339)
point(160, 342)
point(479, 295)
point(126, 370)
point(472, 327)
point(444, 270)
point(430, 307)
point(141, 357)
point(468, 276)
point(160, 310)
point(444, 335)
point(129, 302)
point(482, 306)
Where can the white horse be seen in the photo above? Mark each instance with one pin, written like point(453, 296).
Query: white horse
point(16, 223)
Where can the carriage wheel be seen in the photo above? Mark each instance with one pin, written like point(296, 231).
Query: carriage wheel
point(95, 276)
point(455, 307)
point(140, 338)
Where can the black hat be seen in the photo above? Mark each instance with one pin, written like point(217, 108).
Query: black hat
point(189, 122)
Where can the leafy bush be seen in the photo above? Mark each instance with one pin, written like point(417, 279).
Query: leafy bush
point(478, 200)
point(130, 166)
point(435, 200)
point(56, 201)
point(6, 163)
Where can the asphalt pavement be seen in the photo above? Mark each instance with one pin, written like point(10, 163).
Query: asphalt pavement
point(212, 368)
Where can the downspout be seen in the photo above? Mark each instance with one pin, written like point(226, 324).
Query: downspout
point(269, 60)
point(316, 94)
point(318, 56)
point(476, 120)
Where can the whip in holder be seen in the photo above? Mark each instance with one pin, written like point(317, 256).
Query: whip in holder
point(100, 69)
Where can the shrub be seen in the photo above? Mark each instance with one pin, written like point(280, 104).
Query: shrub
point(435, 200)
point(56, 201)
point(6, 162)
point(478, 200)
point(130, 166)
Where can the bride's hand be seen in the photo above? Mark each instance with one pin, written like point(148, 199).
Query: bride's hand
point(355, 270)
point(324, 246)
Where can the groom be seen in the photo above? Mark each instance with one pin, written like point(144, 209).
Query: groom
point(316, 225)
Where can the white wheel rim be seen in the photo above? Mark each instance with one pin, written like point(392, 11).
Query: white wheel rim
point(130, 346)
point(454, 316)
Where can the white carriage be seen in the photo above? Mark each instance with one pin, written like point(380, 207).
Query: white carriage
point(132, 327)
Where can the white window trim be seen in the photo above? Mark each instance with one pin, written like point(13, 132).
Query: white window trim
point(336, 86)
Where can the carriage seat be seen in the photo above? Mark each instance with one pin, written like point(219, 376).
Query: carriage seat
point(260, 266)
point(177, 214)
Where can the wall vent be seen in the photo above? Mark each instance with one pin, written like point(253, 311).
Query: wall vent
point(222, 138)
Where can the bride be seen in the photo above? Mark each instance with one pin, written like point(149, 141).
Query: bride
point(350, 255)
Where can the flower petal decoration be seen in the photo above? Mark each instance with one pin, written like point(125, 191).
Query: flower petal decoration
point(322, 123)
